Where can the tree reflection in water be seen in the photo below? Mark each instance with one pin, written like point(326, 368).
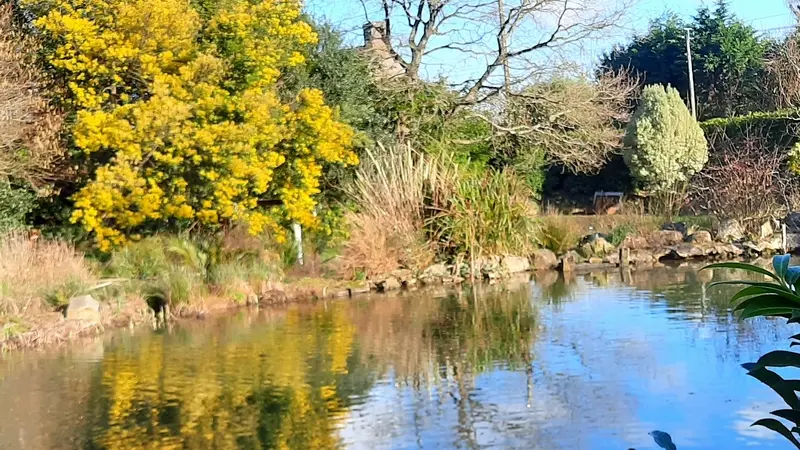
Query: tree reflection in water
point(560, 362)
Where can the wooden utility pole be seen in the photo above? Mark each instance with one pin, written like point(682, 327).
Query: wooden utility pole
point(691, 72)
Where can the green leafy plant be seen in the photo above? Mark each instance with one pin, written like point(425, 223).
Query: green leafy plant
point(777, 297)
point(619, 233)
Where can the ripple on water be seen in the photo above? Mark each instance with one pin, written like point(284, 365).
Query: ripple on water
point(589, 362)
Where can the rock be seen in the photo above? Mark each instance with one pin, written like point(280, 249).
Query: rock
point(612, 259)
point(596, 245)
point(403, 275)
point(515, 264)
point(688, 251)
point(675, 226)
point(730, 230)
point(570, 259)
point(728, 250)
point(543, 259)
point(389, 284)
point(436, 271)
point(594, 260)
point(701, 237)
point(452, 280)
point(792, 221)
point(635, 242)
point(484, 265)
point(766, 229)
point(85, 308)
point(772, 244)
point(665, 238)
point(646, 257)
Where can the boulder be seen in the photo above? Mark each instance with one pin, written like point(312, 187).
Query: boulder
point(436, 271)
point(485, 264)
point(688, 251)
point(675, 226)
point(766, 229)
point(647, 257)
point(515, 264)
point(701, 237)
point(730, 230)
point(570, 259)
point(635, 242)
point(84, 308)
point(665, 238)
point(596, 245)
point(389, 284)
point(728, 250)
point(612, 259)
point(403, 275)
point(543, 259)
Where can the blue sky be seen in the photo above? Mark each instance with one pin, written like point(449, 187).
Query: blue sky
point(772, 17)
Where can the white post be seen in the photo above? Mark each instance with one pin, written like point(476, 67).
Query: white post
point(784, 241)
point(691, 73)
point(298, 241)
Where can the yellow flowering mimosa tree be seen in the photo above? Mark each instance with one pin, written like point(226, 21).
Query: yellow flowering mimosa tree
point(178, 116)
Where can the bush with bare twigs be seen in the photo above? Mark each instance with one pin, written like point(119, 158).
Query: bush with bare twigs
point(746, 177)
point(30, 129)
point(576, 122)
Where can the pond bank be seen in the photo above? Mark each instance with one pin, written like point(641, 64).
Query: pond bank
point(56, 328)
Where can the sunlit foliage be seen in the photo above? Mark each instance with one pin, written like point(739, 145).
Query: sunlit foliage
point(178, 115)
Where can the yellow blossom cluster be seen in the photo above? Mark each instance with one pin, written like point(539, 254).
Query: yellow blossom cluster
point(179, 118)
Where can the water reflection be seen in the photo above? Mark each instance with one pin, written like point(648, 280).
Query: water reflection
point(589, 361)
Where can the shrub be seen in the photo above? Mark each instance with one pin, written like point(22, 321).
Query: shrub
point(489, 214)
point(619, 233)
point(179, 120)
point(557, 237)
point(15, 205)
point(664, 145)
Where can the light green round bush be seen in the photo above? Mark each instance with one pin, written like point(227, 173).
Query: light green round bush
point(664, 145)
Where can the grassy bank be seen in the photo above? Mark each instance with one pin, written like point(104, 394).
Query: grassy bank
point(38, 277)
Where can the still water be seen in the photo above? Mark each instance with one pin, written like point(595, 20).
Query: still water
point(587, 362)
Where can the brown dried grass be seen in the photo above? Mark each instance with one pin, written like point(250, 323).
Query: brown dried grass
point(32, 268)
point(394, 191)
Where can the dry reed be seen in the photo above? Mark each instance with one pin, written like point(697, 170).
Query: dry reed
point(32, 269)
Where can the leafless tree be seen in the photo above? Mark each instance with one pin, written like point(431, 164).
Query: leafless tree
point(516, 38)
point(30, 129)
point(783, 68)
point(577, 122)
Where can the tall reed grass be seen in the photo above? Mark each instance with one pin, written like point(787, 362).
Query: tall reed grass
point(36, 273)
point(413, 208)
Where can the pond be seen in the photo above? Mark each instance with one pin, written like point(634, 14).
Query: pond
point(588, 362)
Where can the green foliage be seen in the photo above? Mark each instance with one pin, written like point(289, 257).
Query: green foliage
point(15, 205)
point(728, 57)
point(619, 233)
point(490, 214)
point(343, 74)
point(175, 269)
point(557, 238)
point(664, 145)
point(60, 295)
point(779, 296)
